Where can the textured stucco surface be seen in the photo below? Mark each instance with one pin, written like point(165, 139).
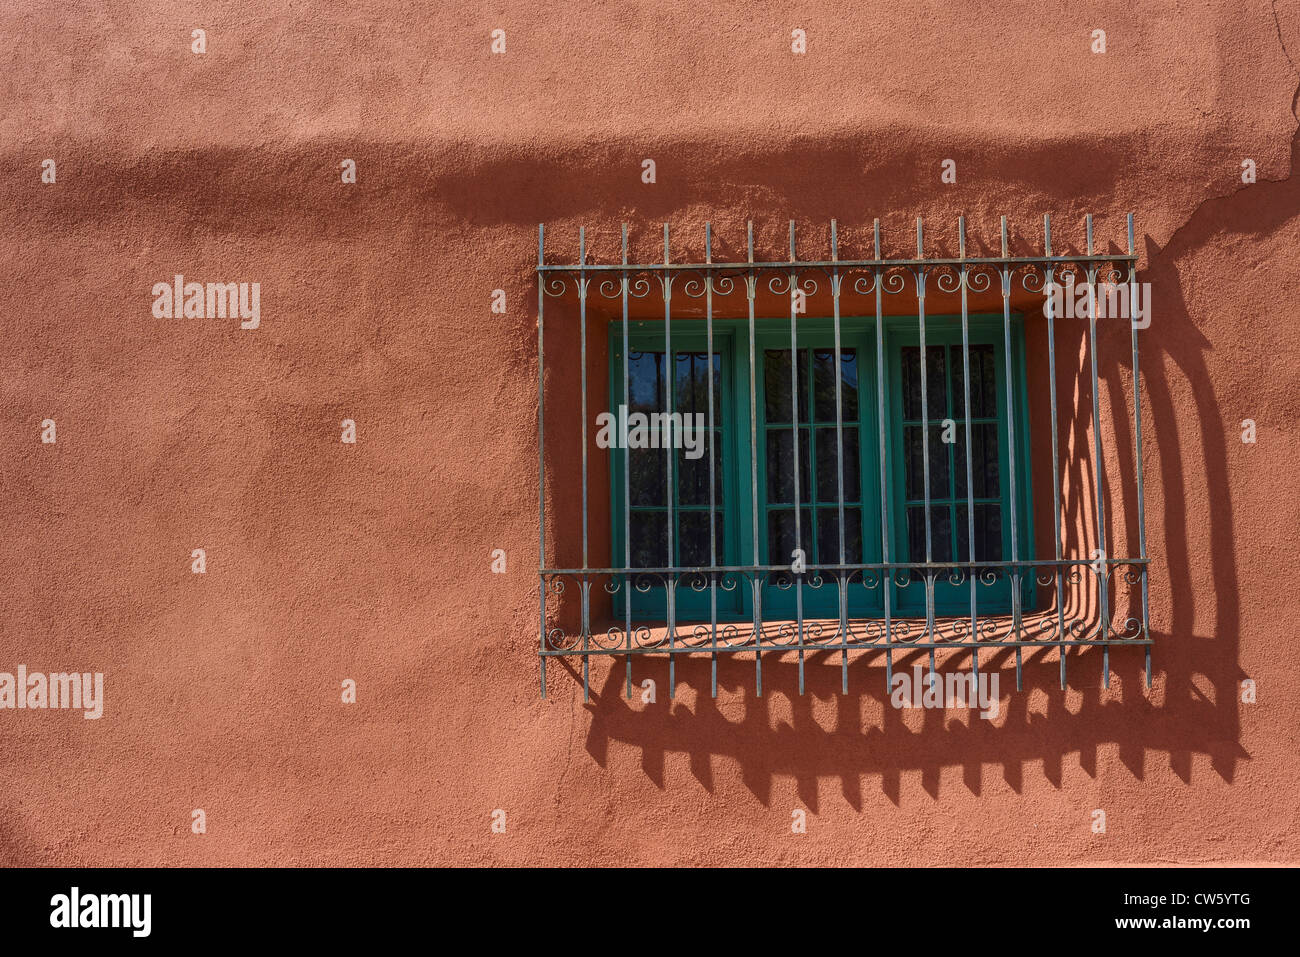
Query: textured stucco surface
point(329, 561)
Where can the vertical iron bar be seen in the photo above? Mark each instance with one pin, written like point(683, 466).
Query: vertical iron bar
point(751, 287)
point(1007, 273)
point(1102, 567)
point(970, 484)
point(887, 571)
point(1137, 442)
point(842, 577)
point(627, 477)
point(925, 447)
point(670, 372)
point(541, 446)
point(713, 531)
point(586, 584)
point(794, 418)
point(1056, 465)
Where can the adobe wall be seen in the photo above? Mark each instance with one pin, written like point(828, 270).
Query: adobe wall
point(371, 561)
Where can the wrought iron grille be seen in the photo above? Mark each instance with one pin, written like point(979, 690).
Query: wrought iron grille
point(1085, 598)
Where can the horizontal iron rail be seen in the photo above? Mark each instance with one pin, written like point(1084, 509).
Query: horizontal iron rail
point(866, 644)
point(834, 263)
point(873, 566)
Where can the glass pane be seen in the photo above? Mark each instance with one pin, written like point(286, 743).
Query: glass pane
point(824, 384)
point(985, 475)
point(780, 466)
point(693, 538)
point(692, 381)
point(649, 476)
point(693, 473)
point(828, 467)
point(776, 385)
point(988, 533)
point(983, 382)
point(935, 382)
point(828, 536)
point(940, 533)
point(646, 382)
point(780, 535)
point(914, 462)
point(649, 539)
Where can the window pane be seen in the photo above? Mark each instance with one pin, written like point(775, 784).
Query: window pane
point(780, 466)
point(824, 384)
point(780, 535)
point(983, 382)
point(776, 385)
point(914, 462)
point(649, 539)
point(654, 518)
point(693, 538)
point(649, 476)
point(988, 533)
point(828, 466)
point(940, 533)
point(935, 384)
point(646, 381)
point(828, 536)
point(985, 476)
point(692, 381)
point(693, 474)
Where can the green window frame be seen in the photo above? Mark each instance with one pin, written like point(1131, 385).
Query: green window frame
point(815, 341)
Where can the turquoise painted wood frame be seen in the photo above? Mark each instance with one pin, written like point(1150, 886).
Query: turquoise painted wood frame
point(736, 539)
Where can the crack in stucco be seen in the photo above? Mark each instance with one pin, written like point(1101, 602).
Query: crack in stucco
point(1281, 40)
point(1295, 99)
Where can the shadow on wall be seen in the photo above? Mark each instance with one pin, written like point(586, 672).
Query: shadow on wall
point(1178, 718)
point(807, 751)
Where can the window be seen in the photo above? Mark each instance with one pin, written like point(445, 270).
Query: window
point(899, 470)
point(818, 441)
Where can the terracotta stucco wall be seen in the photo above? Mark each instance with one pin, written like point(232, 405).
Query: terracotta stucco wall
point(371, 561)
